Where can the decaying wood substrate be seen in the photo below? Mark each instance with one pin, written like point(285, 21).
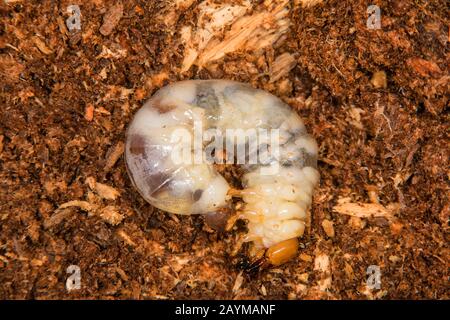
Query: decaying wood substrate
point(232, 27)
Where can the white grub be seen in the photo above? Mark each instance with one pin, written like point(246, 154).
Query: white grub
point(275, 204)
point(226, 28)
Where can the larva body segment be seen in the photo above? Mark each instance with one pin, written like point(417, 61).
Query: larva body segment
point(277, 188)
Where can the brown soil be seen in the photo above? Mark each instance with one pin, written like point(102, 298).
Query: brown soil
point(66, 102)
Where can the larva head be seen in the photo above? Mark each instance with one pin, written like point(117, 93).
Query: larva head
point(282, 252)
point(273, 256)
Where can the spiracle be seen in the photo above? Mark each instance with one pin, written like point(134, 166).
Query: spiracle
point(177, 137)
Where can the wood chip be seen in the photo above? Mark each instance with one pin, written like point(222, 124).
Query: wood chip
point(423, 67)
point(372, 192)
point(305, 257)
point(37, 262)
point(89, 112)
point(83, 205)
point(355, 117)
point(226, 28)
point(322, 262)
point(307, 3)
point(238, 282)
point(126, 238)
point(379, 80)
point(304, 277)
point(58, 217)
point(281, 66)
point(396, 228)
point(122, 274)
point(349, 271)
point(103, 190)
point(116, 52)
point(285, 87)
point(366, 210)
point(106, 192)
point(62, 27)
point(113, 155)
point(327, 226)
point(263, 290)
point(41, 45)
point(357, 223)
point(111, 19)
point(10, 69)
point(102, 110)
point(111, 215)
point(394, 259)
point(178, 262)
point(12, 1)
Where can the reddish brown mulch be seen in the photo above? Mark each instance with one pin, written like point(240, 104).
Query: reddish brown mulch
point(66, 102)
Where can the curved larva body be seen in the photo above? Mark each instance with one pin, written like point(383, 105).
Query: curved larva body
point(276, 202)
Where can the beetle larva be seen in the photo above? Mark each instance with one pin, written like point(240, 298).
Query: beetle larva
point(277, 188)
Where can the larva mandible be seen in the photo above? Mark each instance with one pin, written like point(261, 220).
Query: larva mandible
point(275, 204)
